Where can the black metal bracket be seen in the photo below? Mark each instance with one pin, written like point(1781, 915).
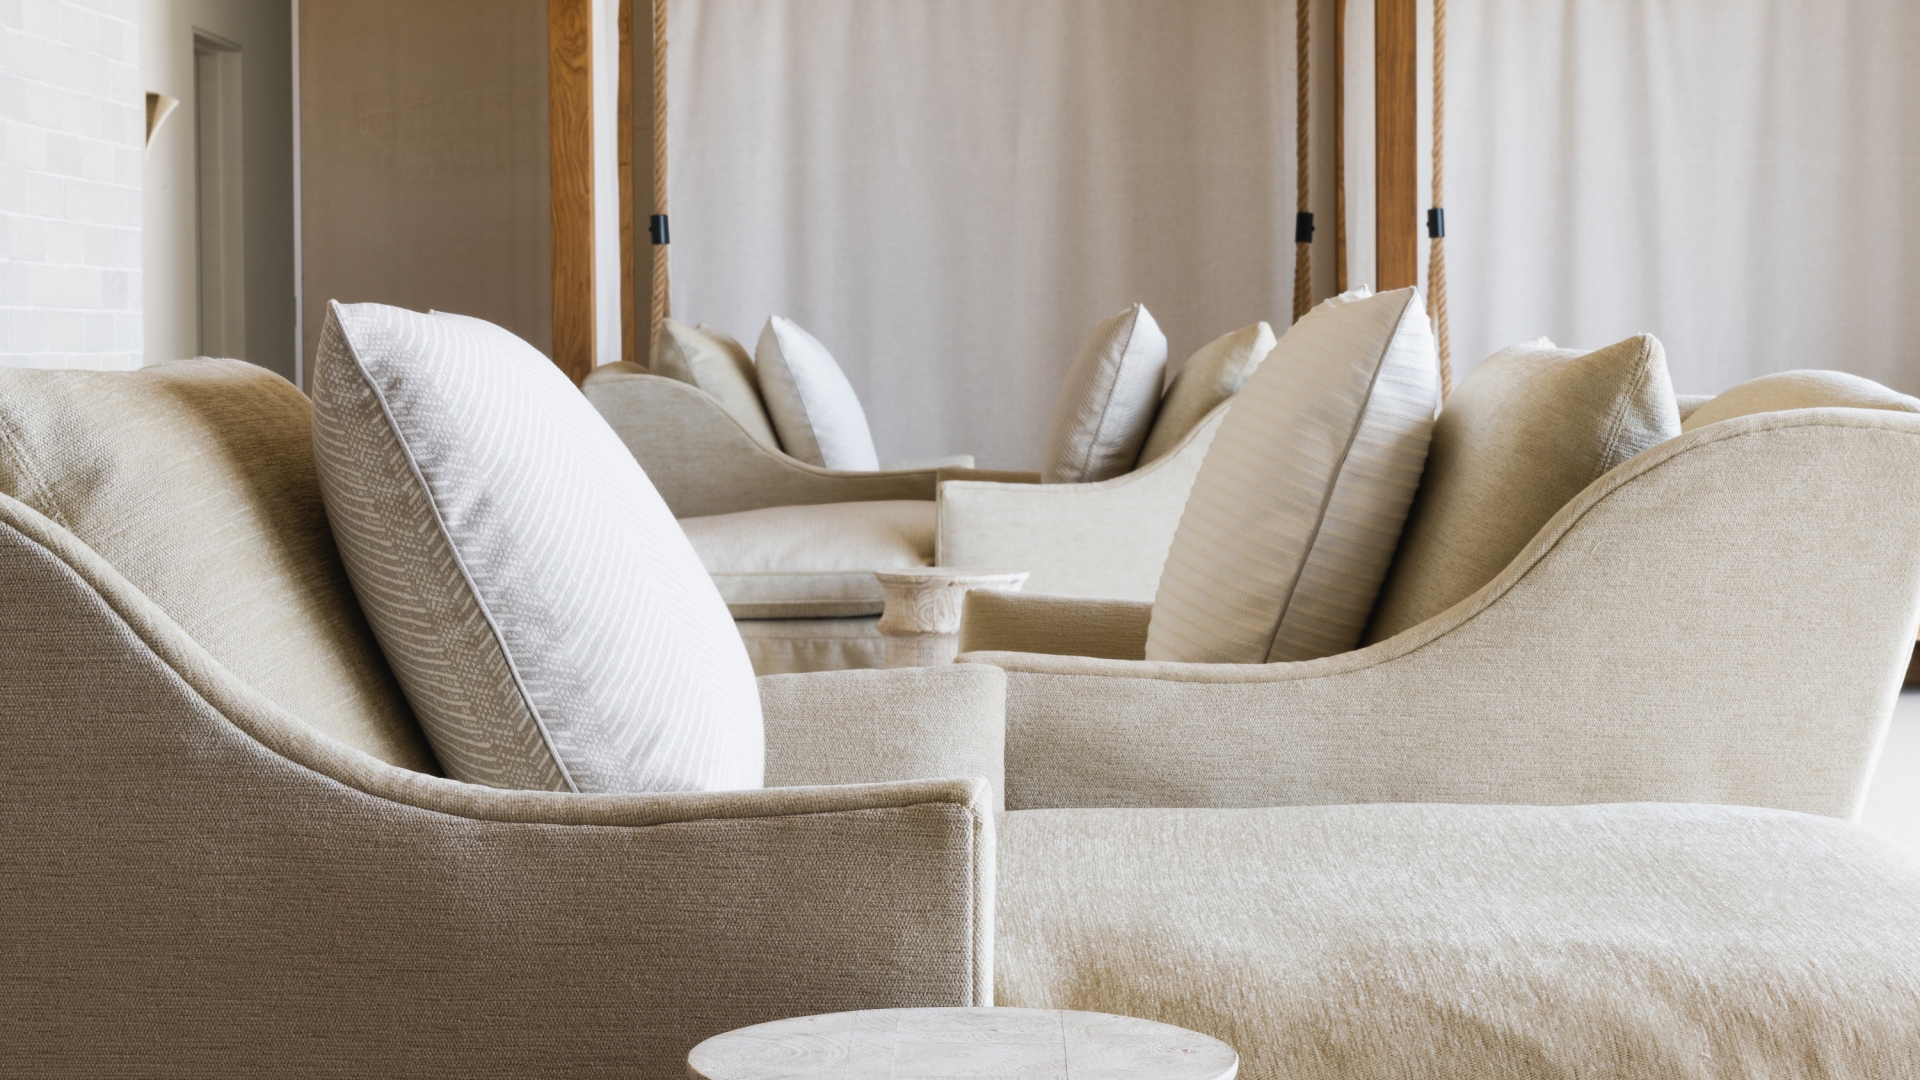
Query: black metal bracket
point(1436, 223)
point(1303, 228)
point(657, 228)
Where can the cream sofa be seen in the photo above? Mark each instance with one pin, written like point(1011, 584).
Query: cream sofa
point(792, 545)
point(196, 881)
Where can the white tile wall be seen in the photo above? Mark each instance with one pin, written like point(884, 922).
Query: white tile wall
point(72, 123)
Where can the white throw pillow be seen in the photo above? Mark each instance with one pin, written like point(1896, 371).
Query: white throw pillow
point(1799, 390)
point(1107, 404)
point(811, 403)
point(547, 618)
point(1298, 506)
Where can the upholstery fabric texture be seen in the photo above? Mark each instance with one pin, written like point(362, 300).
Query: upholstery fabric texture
point(1526, 431)
point(799, 646)
point(1688, 404)
point(1800, 390)
point(1107, 403)
point(548, 618)
point(787, 562)
point(1576, 675)
point(197, 883)
point(1103, 539)
point(1206, 381)
point(702, 462)
point(1296, 511)
point(864, 727)
point(811, 403)
point(1002, 621)
point(195, 479)
point(1326, 943)
point(716, 363)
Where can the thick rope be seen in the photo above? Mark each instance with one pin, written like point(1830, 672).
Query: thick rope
point(1437, 246)
point(1302, 251)
point(662, 293)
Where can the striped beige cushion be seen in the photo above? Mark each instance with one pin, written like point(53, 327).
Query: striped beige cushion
point(1107, 403)
point(813, 406)
point(704, 357)
point(548, 619)
point(1209, 377)
point(1298, 505)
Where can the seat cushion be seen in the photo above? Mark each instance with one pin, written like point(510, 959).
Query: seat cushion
point(1525, 432)
point(811, 403)
point(717, 364)
point(196, 481)
point(1298, 505)
point(1107, 403)
point(1208, 378)
point(1800, 390)
point(1441, 941)
point(806, 562)
point(549, 620)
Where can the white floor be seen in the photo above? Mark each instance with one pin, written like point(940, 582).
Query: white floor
point(1893, 802)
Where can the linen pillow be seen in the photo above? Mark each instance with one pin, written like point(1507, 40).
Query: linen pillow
point(1107, 404)
point(813, 406)
point(548, 619)
point(195, 480)
point(1209, 377)
point(1298, 505)
point(1524, 433)
point(717, 364)
point(1800, 390)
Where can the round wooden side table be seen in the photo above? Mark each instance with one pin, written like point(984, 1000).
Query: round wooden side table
point(979, 1044)
point(921, 624)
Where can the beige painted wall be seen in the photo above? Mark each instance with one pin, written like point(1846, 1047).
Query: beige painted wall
point(424, 160)
point(263, 30)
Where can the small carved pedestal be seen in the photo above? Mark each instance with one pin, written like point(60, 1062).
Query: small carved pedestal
point(921, 625)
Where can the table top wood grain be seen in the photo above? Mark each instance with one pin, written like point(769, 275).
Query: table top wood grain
point(974, 1044)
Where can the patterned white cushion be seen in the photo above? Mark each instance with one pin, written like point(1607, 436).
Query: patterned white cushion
point(1298, 506)
point(546, 616)
point(1107, 404)
point(711, 360)
point(813, 406)
point(1208, 378)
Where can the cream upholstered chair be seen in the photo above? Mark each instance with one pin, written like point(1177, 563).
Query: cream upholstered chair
point(236, 875)
point(810, 602)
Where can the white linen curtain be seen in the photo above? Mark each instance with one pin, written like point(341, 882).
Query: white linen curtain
point(1736, 176)
point(950, 194)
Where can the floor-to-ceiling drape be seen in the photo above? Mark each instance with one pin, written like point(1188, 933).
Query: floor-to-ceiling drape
point(950, 194)
point(1739, 177)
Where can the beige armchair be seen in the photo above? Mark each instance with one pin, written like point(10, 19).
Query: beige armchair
point(1725, 618)
point(196, 881)
point(811, 604)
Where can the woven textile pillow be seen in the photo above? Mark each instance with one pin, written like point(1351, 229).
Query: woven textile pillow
point(195, 480)
point(548, 619)
point(1107, 403)
point(1208, 378)
point(1800, 390)
point(813, 406)
point(1297, 508)
point(1524, 433)
point(714, 362)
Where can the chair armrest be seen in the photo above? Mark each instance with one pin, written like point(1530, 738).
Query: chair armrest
point(1725, 618)
point(1106, 539)
point(1001, 621)
point(863, 727)
point(191, 872)
point(703, 462)
point(995, 476)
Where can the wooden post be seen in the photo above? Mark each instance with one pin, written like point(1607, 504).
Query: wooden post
point(1396, 153)
point(570, 142)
